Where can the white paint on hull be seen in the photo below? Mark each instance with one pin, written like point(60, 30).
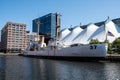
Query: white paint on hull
point(92, 50)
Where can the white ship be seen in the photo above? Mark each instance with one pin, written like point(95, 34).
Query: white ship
point(74, 51)
point(71, 44)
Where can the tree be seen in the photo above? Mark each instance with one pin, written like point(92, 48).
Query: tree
point(94, 41)
point(116, 45)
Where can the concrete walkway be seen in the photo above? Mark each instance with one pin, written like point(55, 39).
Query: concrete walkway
point(9, 54)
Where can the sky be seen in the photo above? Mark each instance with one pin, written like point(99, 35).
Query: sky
point(73, 12)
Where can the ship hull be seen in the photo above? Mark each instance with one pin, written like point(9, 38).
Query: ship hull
point(82, 51)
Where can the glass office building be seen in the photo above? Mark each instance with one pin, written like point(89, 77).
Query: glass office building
point(48, 26)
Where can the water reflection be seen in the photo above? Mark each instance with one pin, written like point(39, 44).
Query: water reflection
point(112, 71)
point(17, 68)
point(2, 68)
point(23, 68)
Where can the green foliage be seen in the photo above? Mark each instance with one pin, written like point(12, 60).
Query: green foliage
point(116, 45)
point(112, 47)
point(109, 47)
point(94, 41)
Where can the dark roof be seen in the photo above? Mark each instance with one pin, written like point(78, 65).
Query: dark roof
point(116, 21)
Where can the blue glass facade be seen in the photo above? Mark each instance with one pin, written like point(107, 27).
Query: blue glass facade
point(47, 25)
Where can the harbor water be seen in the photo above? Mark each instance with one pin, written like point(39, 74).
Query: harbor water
point(25, 68)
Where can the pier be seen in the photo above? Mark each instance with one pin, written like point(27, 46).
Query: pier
point(112, 57)
point(9, 54)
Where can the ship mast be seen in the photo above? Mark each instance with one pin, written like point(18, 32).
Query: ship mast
point(38, 26)
point(57, 26)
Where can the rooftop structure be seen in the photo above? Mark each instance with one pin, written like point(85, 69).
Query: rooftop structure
point(116, 21)
point(105, 30)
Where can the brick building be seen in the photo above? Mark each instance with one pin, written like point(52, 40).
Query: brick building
point(13, 37)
